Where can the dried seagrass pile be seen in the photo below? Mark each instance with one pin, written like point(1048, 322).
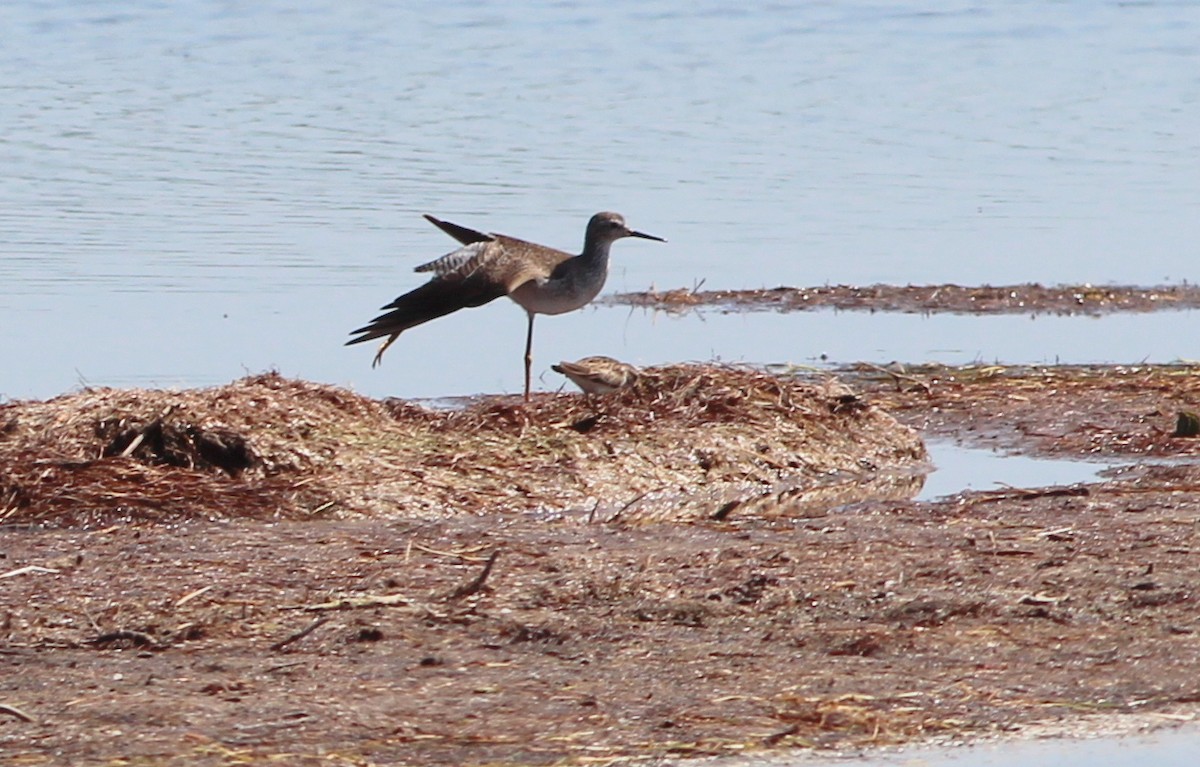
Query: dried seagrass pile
point(684, 441)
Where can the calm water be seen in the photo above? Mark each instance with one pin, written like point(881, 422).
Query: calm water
point(961, 468)
point(1165, 748)
point(193, 191)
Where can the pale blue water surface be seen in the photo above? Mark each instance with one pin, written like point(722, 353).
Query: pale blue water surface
point(961, 468)
point(196, 190)
point(1161, 748)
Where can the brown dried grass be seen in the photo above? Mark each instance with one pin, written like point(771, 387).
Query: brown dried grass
point(684, 440)
point(1102, 410)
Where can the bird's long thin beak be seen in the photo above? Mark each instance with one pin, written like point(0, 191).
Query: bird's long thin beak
point(645, 236)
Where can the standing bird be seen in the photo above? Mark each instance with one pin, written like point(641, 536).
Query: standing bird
point(542, 280)
point(598, 375)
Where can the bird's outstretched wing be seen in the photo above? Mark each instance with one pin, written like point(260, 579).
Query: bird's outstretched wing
point(505, 259)
point(487, 267)
point(502, 261)
point(434, 299)
point(464, 262)
point(463, 234)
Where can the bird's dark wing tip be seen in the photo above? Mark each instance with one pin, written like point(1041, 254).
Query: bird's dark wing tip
point(463, 234)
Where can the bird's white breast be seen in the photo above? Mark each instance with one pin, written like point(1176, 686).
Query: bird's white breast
point(554, 296)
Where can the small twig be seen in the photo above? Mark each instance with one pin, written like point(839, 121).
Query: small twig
point(15, 712)
point(26, 570)
point(774, 738)
point(310, 628)
point(355, 603)
point(323, 507)
point(137, 637)
point(289, 720)
point(92, 621)
point(464, 554)
point(625, 508)
point(1056, 532)
point(1029, 494)
point(10, 507)
point(157, 423)
point(183, 600)
point(726, 509)
point(136, 442)
point(476, 583)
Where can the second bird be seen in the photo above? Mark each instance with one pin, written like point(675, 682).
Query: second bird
point(542, 280)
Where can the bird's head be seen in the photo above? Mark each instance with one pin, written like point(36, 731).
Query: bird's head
point(608, 227)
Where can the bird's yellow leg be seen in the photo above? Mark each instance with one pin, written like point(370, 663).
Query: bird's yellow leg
point(383, 348)
point(528, 354)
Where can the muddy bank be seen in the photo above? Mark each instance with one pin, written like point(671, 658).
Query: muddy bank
point(1030, 298)
point(594, 637)
point(1097, 411)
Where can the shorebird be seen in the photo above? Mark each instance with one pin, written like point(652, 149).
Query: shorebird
point(598, 375)
point(541, 279)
